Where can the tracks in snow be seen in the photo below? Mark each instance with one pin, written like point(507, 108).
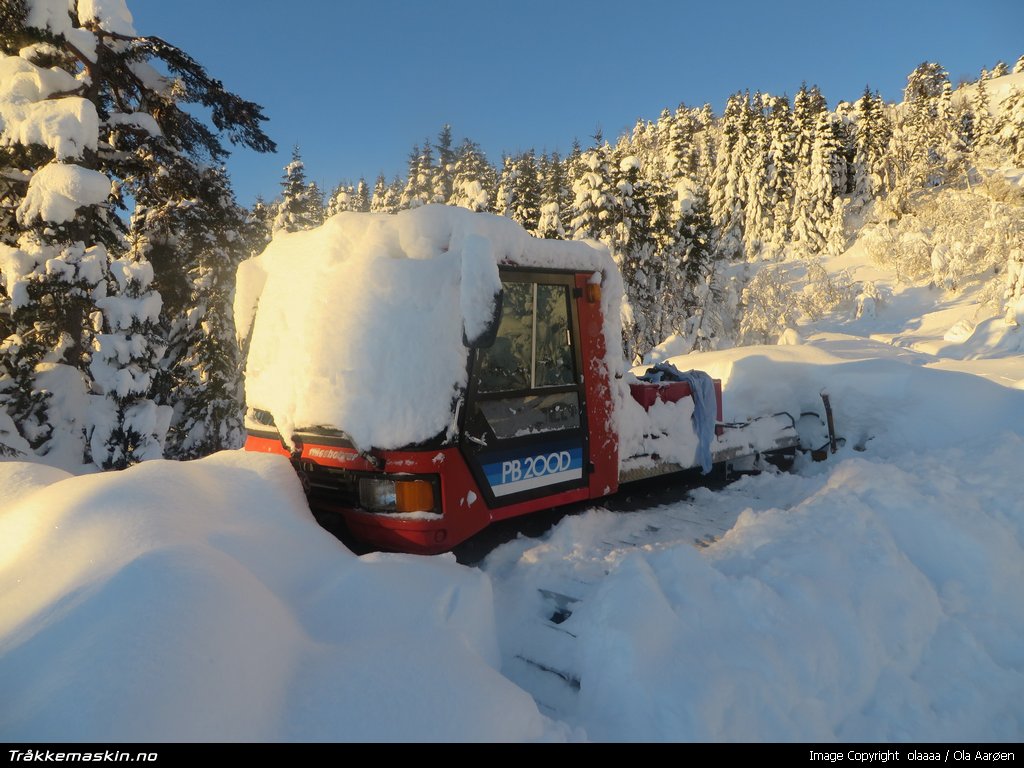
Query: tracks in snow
point(546, 581)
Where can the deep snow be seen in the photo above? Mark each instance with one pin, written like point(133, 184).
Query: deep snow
point(873, 597)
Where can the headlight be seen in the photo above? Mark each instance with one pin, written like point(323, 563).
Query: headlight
point(389, 494)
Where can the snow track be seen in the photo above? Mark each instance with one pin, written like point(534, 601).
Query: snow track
point(541, 649)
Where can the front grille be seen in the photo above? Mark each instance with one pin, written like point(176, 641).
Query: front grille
point(337, 486)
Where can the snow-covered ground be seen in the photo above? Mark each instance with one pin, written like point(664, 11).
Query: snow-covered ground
point(872, 597)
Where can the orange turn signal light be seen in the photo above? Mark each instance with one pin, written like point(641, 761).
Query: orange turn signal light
point(593, 292)
point(414, 496)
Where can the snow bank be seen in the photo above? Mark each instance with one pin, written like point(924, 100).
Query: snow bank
point(360, 322)
point(200, 602)
point(884, 607)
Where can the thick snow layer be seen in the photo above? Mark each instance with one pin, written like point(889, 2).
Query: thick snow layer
point(111, 15)
point(200, 601)
point(68, 125)
point(57, 190)
point(359, 324)
point(53, 15)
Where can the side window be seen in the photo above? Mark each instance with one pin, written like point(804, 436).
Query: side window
point(505, 365)
point(526, 381)
point(554, 350)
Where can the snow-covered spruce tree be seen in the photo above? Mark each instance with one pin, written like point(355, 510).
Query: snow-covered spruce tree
point(87, 116)
point(258, 226)
point(977, 124)
point(925, 129)
point(473, 180)
point(199, 377)
point(695, 303)
point(555, 197)
point(1019, 66)
point(728, 190)
point(419, 184)
point(300, 205)
point(757, 211)
point(641, 239)
point(808, 107)
point(871, 135)
point(380, 189)
point(1009, 126)
point(780, 171)
point(126, 424)
point(444, 175)
point(590, 215)
point(361, 199)
point(518, 195)
point(342, 199)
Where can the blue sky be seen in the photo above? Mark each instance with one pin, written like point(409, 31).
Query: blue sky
point(356, 84)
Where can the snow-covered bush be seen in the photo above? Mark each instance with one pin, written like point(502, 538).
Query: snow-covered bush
point(768, 307)
point(824, 293)
point(1015, 287)
point(870, 299)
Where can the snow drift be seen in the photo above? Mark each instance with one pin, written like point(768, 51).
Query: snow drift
point(201, 602)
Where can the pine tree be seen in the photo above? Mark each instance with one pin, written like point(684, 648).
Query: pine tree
point(474, 180)
point(978, 133)
point(84, 318)
point(590, 215)
point(342, 199)
point(554, 197)
point(127, 425)
point(361, 199)
point(694, 301)
point(444, 175)
point(871, 135)
point(205, 373)
point(1009, 126)
point(257, 231)
point(925, 129)
point(380, 190)
point(728, 192)
point(1019, 66)
point(808, 189)
point(301, 204)
point(419, 183)
point(518, 195)
point(757, 222)
point(780, 171)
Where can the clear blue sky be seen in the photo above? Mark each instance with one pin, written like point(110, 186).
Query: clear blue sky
point(356, 84)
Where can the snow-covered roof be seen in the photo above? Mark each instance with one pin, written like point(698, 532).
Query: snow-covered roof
point(358, 324)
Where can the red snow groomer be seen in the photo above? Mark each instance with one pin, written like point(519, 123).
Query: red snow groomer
point(543, 413)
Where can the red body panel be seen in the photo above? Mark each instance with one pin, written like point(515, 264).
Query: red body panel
point(604, 443)
point(647, 393)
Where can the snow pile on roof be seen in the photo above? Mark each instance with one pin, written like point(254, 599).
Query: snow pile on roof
point(200, 601)
point(359, 323)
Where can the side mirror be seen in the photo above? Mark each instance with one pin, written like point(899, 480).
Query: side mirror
point(486, 337)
